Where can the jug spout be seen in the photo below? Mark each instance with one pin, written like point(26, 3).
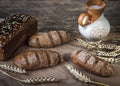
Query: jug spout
point(95, 9)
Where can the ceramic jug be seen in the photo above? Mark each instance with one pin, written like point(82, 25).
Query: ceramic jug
point(92, 24)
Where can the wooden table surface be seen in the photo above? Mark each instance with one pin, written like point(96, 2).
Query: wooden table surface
point(60, 71)
point(60, 14)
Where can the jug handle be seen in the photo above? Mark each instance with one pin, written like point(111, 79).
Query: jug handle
point(83, 19)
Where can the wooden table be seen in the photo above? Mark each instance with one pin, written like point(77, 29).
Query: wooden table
point(60, 14)
point(60, 71)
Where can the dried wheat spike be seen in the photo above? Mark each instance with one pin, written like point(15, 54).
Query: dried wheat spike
point(12, 68)
point(82, 77)
point(118, 48)
point(107, 46)
point(109, 54)
point(85, 44)
point(33, 80)
point(111, 60)
point(97, 45)
point(39, 80)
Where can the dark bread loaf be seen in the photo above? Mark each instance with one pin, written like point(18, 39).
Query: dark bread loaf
point(92, 63)
point(37, 59)
point(14, 31)
point(49, 39)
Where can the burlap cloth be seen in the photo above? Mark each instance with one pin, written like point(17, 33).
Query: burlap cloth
point(60, 71)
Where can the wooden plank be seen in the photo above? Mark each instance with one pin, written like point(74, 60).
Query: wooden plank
point(58, 14)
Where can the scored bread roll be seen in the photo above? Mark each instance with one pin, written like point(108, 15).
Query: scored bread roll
point(38, 59)
point(49, 39)
point(92, 63)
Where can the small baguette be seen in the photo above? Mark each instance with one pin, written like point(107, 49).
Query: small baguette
point(49, 39)
point(37, 59)
point(92, 63)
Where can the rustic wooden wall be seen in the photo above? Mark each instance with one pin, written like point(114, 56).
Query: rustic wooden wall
point(58, 14)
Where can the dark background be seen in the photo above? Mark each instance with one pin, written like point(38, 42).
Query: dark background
point(59, 14)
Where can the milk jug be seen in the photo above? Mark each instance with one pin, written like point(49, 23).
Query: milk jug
point(92, 24)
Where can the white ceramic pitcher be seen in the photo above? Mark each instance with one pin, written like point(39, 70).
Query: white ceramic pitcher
point(93, 25)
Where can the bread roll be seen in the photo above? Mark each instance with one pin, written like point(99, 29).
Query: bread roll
point(92, 63)
point(37, 59)
point(49, 39)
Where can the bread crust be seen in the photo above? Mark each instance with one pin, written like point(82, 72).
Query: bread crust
point(14, 32)
point(49, 39)
point(92, 63)
point(38, 59)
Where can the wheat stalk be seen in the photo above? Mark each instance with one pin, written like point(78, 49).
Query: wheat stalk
point(33, 80)
point(12, 68)
point(108, 54)
point(110, 60)
point(82, 77)
point(107, 46)
point(99, 46)
point(85, 44)
point(40, 80)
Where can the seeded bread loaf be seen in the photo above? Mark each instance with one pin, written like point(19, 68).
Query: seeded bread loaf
point(14, 31)
point(91, 63)
point(49, 39)
point(37, 59)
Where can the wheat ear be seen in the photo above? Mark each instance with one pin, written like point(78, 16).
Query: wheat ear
point(40, 80)
point(82, 77)
point(107, 46)
point(109, 54)
point(12, 68)
point(98, 46)
point(110, 60)
point(85, 44)
point(33, 80)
